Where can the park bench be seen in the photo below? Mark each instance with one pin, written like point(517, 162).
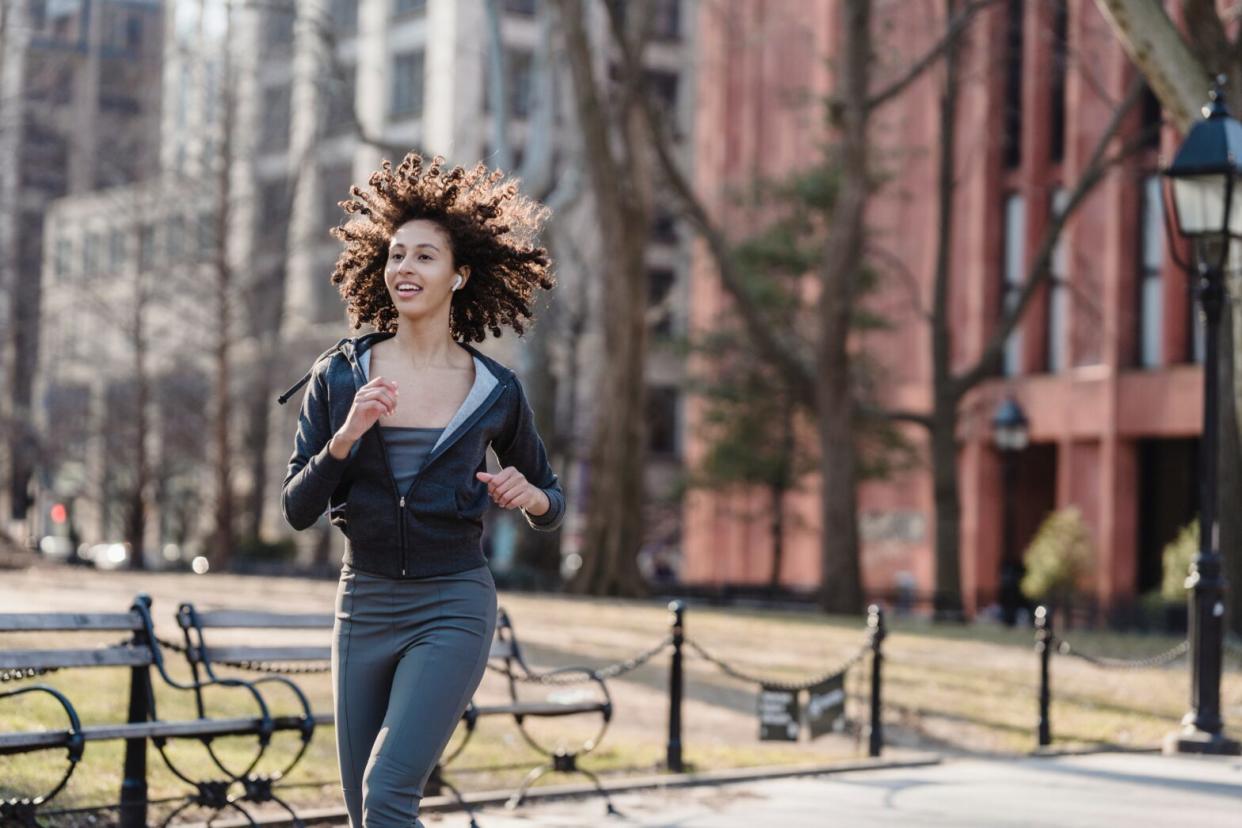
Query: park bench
point(505, 658)
point(139, 651)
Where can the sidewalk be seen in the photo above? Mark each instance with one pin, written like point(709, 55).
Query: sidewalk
point(1094, 790)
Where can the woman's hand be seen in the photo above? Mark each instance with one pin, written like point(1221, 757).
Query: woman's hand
point(511, 490)
point(378, 398)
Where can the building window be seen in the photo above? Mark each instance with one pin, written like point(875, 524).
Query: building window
point(407, 86)
point(1058, 293)
point(146, 248)
point(90, 256)
point(1060, 61)
point(1012, 104)
point(666, 19)
point(341, 93)
point(663, 226)
point(526, 8)
point(206, 234)
point(1153, 119)
point(1013, 271)
point(334, 185)
point(404, 8)
point(660, 283)
point(278, 27)
point(520, 76)
point(662, 420)
point(272, 220)
point(663, 88)
point(174, 238)
point(274, 131)
point(116, 250)
point(63, 257)
point(1151, 285)
point(344, 16)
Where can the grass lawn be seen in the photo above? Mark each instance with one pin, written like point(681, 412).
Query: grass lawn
point(956, 689)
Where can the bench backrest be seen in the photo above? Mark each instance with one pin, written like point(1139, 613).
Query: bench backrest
point(131, 652)
point(194, 624)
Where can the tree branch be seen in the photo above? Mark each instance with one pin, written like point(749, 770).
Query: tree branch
point(1041, 267)
point(953, 32)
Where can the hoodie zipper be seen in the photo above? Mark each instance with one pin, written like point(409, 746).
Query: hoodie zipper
point(462, 429)
point(379, 434)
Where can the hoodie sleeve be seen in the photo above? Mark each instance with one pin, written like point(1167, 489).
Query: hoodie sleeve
point(524, 450)
point(313, 472)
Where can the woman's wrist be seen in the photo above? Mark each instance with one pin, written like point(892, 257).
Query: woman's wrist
point(339, 446)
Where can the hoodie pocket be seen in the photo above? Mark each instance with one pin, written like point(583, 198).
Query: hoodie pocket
point(434, 505)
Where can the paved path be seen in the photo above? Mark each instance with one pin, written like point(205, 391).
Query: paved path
point(1099, 790)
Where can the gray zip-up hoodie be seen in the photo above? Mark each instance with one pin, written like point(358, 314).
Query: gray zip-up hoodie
point(435, 527)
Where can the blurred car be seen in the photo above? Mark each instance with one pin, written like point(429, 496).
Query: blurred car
point(55, 548)
point(108, 555)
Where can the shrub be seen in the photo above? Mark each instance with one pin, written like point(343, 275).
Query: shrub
point(1058, 558)
point(1176, 559)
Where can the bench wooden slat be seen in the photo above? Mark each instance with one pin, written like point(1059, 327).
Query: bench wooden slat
point(119, 656)
point(540, 709)
point(218, 654)
point(23, 742)
point(237, 619)
point(64, 621)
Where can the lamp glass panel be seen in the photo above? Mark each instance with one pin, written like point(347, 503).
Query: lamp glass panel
point(1200, 202)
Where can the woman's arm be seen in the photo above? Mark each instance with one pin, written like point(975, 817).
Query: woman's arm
point(524, 450)
point(313, 471)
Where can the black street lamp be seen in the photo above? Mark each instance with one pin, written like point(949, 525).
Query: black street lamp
point(1204, 174)
point(1010, 435)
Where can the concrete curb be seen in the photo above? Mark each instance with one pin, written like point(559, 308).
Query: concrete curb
point(337, 816)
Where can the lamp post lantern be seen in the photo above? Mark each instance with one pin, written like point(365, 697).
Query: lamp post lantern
point(1010, 435)
point(1204, 178)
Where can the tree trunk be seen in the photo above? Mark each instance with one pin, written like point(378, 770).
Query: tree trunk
point(947, 603)
point(615, 500)
point(136, 509)
point(840, 575)
point(222, 540)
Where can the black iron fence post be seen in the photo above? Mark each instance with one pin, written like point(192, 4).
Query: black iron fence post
point(675, 680)
point(134, 785)
point(1044, 645)
point(876, 633)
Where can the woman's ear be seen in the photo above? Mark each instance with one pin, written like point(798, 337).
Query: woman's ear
point(463, 273)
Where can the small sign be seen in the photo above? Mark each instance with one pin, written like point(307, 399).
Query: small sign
point(825, 706)
point(778, 715)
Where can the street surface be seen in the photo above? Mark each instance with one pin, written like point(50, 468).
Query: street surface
point(1133, 790)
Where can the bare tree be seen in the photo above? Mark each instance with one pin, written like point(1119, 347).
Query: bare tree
point(617, 168)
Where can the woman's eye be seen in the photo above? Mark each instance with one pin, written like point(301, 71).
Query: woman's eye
point(394, 256)
point(425, 257)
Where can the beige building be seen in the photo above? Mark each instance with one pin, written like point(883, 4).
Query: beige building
point(319, 91)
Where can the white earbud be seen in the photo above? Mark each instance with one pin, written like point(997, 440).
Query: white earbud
point(457, 284)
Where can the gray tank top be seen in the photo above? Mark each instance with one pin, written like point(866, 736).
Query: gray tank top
point(407, 448)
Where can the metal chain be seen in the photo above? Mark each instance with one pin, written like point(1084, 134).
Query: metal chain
point(583, 675)
point(1158, 660)
point(254, 666)
point(780, 685)
point(25, 673)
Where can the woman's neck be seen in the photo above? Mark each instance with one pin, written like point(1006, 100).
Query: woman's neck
point(425, 344)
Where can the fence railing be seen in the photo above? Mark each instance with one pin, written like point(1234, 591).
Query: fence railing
point(1047, 644)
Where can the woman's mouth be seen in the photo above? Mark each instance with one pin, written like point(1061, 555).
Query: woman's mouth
point(407, 289)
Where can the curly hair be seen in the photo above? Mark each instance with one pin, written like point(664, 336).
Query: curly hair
point(491, 228)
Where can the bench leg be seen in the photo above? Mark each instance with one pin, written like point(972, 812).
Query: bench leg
point(134, 785)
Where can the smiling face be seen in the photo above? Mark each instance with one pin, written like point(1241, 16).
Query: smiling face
point(419, 273)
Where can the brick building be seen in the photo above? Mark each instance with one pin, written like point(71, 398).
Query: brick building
point(1104, 362)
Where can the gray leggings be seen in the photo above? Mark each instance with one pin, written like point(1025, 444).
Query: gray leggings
point(407, 655)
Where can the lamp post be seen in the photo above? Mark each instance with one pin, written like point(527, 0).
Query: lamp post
point(1204, 175)
point(1010, 435)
